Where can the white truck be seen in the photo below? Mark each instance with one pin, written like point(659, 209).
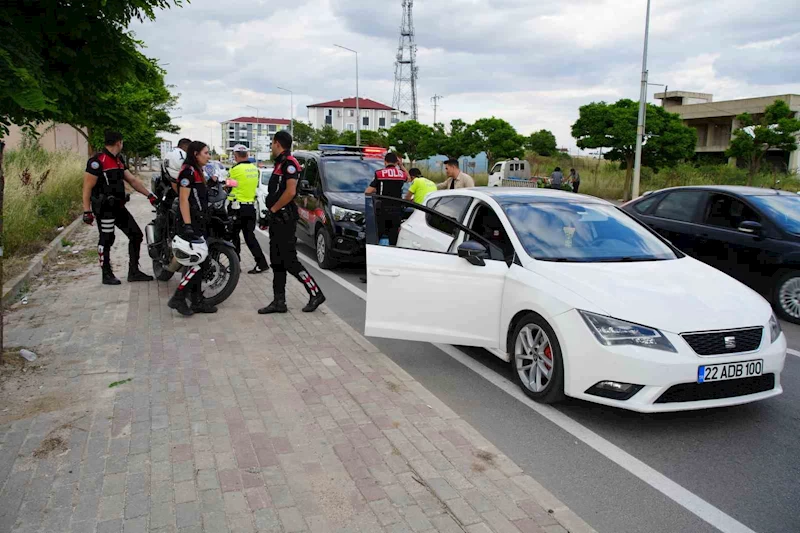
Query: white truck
point(514, 172)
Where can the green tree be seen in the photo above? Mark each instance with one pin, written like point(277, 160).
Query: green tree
point(497, 138)
point(776, 130)
point(666, 140)
point(303, 134)
point(459, 142)
point(326, 135)
point(54, 54)
point(412, 140)
point(375, 138)
point(543, 142)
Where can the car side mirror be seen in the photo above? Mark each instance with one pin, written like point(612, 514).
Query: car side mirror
point(474, 252)
point(306, 187)
point(751, 227)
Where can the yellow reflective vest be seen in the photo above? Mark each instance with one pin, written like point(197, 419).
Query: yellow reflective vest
point(246, 174)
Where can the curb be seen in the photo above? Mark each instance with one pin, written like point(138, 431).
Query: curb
point(13, 288)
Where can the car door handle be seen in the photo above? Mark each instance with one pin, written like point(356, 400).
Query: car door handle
point(385, 272)
point(416, 244)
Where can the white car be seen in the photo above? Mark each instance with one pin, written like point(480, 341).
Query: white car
point(261, 191)
point(579, 297)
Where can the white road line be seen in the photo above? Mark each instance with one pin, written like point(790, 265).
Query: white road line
point(683, 497)
point(793, 352)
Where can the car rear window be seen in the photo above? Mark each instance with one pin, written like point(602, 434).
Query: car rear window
point(679, 205)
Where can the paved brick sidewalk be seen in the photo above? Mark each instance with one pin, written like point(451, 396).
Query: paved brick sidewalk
point(233, 422)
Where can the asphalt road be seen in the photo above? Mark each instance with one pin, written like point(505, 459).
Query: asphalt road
point(742, 461)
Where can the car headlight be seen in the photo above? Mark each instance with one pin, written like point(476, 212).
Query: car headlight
point(340, 214)
point(774, 329)
point(614, 332)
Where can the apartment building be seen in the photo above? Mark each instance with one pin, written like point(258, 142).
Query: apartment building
point(715, 122)
point(343, 116)
point(254, 132)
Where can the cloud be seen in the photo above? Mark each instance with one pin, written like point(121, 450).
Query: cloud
point(532, 63)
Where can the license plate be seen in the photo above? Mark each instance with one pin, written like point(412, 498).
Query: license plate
point(745, 369)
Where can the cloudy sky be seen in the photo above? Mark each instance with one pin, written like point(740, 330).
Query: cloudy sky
point(531, 62)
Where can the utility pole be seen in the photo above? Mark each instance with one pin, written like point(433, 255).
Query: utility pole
point(291, 110)
point(435, 99)
point(637, 162)
point(358, 109)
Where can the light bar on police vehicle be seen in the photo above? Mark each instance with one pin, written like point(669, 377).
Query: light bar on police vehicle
point(366, 151)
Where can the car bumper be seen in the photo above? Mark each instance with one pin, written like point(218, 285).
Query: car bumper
point(668, 380)
point(349, 241)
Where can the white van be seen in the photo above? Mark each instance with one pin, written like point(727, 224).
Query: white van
point(513, 169)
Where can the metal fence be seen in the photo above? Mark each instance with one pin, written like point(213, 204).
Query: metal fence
point(532, 183)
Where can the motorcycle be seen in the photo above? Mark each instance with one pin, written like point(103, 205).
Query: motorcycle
point(222, 274)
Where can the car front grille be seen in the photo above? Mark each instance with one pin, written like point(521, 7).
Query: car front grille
point(725, 342)
point(715, 390)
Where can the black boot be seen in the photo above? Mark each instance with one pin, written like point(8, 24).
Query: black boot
point(278, 306)
point(314, 302)
point(201, 305)
point(178, 303)
point(109, 278)
point(134, 274)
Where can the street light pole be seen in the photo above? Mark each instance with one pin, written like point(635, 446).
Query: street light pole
point(255, 132)
point(358, 108)
point(637, 164)
point(291, 110)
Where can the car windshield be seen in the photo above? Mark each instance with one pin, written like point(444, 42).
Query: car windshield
point(784, 210)
point(349, 174)
point(266, 174)
point(576, 232)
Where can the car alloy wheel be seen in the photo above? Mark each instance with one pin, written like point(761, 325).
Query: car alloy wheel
point(534, 358)
point(789, 297)
point(321, 247)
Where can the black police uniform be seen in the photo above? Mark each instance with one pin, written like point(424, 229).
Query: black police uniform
point(283, 239)
point(190, 178)
point(389, 181)
point(108, 206)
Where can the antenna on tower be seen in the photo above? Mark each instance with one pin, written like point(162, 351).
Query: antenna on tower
point(435, 99)
point(405, 68)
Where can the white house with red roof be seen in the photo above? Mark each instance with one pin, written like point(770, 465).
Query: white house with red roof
point(341, 115)
point(254, 132)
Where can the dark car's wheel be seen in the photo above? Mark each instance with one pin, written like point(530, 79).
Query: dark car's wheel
point(324, 250)
point(786, 296)
point(536, 360)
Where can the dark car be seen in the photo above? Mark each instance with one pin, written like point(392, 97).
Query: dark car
point(750, 233)
point(330, 200)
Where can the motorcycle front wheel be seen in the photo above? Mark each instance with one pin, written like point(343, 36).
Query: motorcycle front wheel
point(222, 274)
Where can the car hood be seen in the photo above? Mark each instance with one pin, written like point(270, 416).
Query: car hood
point(348, 200)
point(678, 296)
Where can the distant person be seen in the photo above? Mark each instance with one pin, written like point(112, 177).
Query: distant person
point(575, 179)
point(455, 178)
point(556, 178)
point(420, 187)
point(242, 207)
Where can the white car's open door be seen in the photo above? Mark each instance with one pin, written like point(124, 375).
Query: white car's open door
point(431, 296)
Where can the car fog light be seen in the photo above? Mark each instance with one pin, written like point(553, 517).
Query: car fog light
point(614, 390)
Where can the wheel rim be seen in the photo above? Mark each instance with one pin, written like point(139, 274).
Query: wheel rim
point(218, 272)
point(533, 354)
point(789, 297)
point(321, 247)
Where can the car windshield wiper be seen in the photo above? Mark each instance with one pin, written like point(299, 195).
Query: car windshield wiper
point(628, 259)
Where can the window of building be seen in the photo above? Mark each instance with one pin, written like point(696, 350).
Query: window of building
point(351, 127)
point(273, 128)
point(382, 122)
point(351, 112)
point(395, 118)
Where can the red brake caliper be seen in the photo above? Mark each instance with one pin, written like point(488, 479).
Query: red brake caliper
point(549, 354)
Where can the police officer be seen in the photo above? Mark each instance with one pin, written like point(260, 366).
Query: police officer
point(281, 217)
point(242, 207)
point(104, 198)
point(193, 202)
point(389, 181)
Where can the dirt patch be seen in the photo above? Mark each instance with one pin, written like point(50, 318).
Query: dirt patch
point(50, 446)
point(487, 457)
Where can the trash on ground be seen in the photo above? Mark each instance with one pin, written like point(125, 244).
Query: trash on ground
point(117, 383)
point(28, 355)
point(25, 301)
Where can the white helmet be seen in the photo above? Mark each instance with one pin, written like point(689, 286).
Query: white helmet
point(174, 162)
point(189, 253)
